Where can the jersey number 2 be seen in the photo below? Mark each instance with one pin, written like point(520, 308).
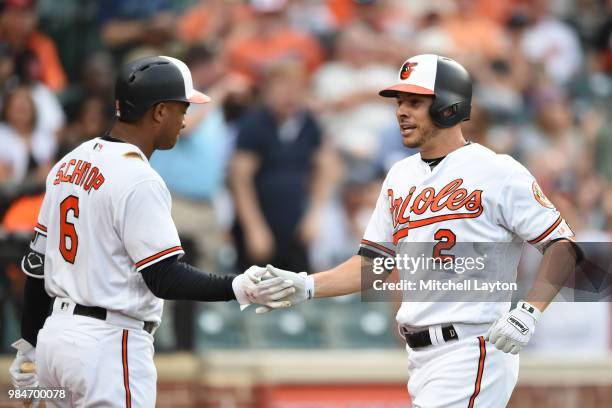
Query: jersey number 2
point(67, 230)
point(447, 240)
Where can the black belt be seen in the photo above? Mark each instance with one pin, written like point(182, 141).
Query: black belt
point(423, 339)
point(100, 313)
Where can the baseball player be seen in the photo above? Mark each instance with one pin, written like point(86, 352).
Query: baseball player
point(461, 354)
point(105, 253)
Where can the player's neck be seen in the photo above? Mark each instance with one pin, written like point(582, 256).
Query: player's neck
point(135, 135)
point(444, 143)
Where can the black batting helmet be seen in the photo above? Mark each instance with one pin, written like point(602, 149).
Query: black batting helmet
point(146, 81)
point(442, 77)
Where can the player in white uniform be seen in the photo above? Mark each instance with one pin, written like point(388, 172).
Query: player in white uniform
point(106, 252)
point(453, 192)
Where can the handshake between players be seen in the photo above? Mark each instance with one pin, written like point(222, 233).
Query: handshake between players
point(275, 288)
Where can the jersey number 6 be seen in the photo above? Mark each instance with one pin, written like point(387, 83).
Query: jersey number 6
point(67, 230)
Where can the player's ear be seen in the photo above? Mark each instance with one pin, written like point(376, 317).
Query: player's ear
point(159, 111)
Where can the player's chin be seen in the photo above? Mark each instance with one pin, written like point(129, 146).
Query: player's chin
point(169, 143)
point(412, 141)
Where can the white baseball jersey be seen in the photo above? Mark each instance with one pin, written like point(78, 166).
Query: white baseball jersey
point(472, 195)
point(105, 217)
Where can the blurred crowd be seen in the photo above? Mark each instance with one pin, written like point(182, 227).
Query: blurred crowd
point(284, 166)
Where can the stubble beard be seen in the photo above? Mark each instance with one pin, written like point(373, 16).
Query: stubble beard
point(425, 134)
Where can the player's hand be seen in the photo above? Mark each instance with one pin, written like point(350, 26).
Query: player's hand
point(26, 353)
point(249, 288)
point(304, 286)
point(511, 332)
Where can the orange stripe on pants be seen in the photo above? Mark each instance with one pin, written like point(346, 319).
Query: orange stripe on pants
point(481, 361)
point(126, 373)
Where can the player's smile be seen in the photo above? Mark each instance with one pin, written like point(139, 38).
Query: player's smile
point(412, 116)
point(407, 129)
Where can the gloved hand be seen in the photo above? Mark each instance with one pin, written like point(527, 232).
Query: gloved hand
point(304, 286)
point(250, 288)
point(511, 332)
point(25, 353)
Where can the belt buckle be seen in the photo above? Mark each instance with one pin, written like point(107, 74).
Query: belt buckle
point(404, 331)
point(407, 334)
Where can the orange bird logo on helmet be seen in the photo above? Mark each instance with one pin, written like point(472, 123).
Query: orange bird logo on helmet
point(407, 69)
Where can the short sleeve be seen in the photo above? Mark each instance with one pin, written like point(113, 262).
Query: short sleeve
point(377, 240)
point(528, 213)
point(251, 136)
point(144, 222)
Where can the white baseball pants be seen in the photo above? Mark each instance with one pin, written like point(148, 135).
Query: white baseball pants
point(466, 373)
point(99, 364)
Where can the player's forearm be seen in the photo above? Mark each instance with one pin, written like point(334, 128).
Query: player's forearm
point(557, 265)
point(36, 306)
point(341, 280)
point(173, 280)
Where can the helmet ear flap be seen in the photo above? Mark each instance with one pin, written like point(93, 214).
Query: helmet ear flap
point(453, 94)
point(449, 115)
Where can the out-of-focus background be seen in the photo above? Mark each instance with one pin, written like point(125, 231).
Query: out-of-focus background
point(284, 166)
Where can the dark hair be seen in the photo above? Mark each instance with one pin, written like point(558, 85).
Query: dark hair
point(200, 54)
point(8, 97)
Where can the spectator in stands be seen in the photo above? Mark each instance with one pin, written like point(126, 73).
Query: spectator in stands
point(73, 25)
point(389, 23)
point(344, 219)
point(551, 43)
point(130, 24)
point(36, 57)
point(314, 17)
point(498, 91)
point(382, 16)
point(390, 148)
point(490, 42)
point(27, 153)
point(281, 174)
point(50, 117)
point(96, 80)
point(553, 147)
point(269, 40)
point(194, 169)
point(92, 121)
point(429, 35)
point(347, 86)
point(29, 57)
point(602, 43)
point(213, 21)
point(541, 101)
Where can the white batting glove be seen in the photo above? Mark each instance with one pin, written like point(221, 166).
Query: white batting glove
point(26, 353)
point(511, 332)
point(269, 292)
point(304, 286)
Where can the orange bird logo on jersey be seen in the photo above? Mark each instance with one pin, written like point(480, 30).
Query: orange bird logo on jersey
point(452, 197)
point(407, 69)
point(540, 196)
